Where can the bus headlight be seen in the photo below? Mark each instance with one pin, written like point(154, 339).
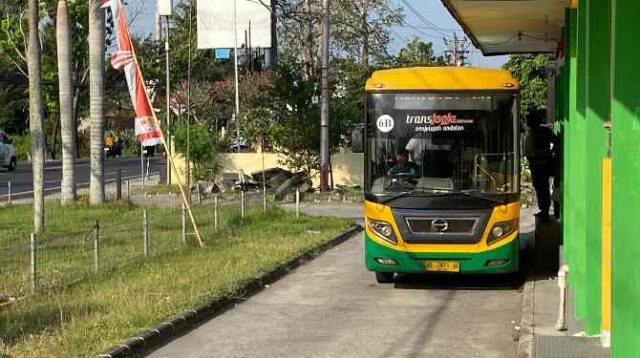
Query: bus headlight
point(383, 230)
point(501, 230)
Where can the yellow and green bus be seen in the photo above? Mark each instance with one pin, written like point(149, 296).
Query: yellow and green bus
point(442, 171)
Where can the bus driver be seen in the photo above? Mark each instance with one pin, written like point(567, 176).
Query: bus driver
point(403, 167)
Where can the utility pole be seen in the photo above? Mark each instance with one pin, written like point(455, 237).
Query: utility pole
point(167, 67)
point(273, 60)
point(235, 59)
point(164, 9)
point(458, 51)
point(324, 114)
point(309, 61)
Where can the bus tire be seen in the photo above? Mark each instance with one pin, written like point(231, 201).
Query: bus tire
point(384, 277)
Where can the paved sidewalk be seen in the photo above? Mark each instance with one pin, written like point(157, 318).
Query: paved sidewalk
point(547, 341)
point(332, 307)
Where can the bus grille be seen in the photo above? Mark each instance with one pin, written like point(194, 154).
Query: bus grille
point(444, 227)
point(441, 225)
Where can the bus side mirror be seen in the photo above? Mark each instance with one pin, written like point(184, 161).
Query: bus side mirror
point(357, 140)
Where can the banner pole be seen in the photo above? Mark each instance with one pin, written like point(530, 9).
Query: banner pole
point(163, 139)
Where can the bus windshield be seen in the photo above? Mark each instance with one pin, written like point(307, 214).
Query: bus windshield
point(442, 142)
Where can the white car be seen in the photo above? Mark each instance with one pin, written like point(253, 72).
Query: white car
point(8, 157)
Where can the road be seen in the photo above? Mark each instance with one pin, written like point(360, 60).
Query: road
point(332, 307)
point(22, 180)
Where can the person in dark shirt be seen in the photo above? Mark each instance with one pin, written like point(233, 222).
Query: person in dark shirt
point(539, 152)
point(403, 166)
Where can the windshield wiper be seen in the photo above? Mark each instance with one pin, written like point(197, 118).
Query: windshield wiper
point(468, 193)
point(479, 196)
point(443, 191)
point(410, 192)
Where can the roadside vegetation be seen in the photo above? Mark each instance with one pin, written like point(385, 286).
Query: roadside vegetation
point(85, 313)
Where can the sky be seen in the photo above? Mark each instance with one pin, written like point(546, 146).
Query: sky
point(441, 24)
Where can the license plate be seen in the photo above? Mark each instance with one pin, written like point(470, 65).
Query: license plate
point(443, 266)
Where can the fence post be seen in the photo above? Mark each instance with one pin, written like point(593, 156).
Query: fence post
point(297, 203)
point(184, 224)
point(264, 194)
point(142, 151)
point(119, 184)
point(128, 190)
point(215, 212)
point(33, 262)
point(9, 192)
point(242, 202)
point(96, 247)
point(199, 194)
point(145, 233)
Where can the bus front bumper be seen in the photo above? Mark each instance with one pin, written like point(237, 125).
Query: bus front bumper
point(498, 261)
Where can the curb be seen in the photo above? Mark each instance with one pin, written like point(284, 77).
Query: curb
point(165, 332)
point(525, 340)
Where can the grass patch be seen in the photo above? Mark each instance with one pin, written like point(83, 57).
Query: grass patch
point(131, 293)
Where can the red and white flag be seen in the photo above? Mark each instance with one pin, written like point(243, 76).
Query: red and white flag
point(147, 125)
point(105, 3)
point(120, 59)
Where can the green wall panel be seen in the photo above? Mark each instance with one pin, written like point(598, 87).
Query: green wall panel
point(598, 13)
point(575, 180)
point(625, 330)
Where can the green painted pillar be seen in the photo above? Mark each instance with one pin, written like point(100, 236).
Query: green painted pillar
point(575, 181)
point(566, 141)
point(598, 77)
point(580, 166)
point(625, 325)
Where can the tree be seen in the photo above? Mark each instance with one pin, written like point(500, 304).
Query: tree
point(201, 149)
point(296, 125)
point(14, 78)
point(13, 44)
point(255, 124)
point(418, 53)
point(96, 93)
point(295, 117)
point(68, 126)
point(361, 28)
point(530, 70)
point(36, 116)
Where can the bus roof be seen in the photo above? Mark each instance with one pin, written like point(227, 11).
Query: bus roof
point(441, 78)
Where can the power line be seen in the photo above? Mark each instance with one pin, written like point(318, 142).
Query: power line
point(435, 40)
point(423, 19)
point(404, 38)
point(421, 32)
point(428, 28)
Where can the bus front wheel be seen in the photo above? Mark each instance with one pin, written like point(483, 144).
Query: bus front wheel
point(384, 277)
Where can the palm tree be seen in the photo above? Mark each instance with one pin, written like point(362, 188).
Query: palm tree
point(96, 101)
point(36, 116)
point(63, 37)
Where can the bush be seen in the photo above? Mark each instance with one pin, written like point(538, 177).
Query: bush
point(202, 150)
point(22, 144)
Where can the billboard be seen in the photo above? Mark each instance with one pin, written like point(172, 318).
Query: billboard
point(164, 7)
point(215, 23)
